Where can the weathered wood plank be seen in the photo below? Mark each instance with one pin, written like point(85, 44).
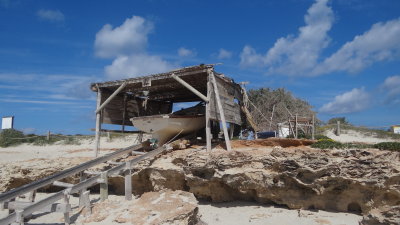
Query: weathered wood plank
point(221, 110)
point(98, 125)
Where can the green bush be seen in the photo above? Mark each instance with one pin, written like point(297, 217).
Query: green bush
point(392, 146)
point(71, 141)
point(327, 144)
point(9, 137)
point(320, 136)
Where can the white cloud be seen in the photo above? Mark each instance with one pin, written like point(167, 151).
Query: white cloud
point(184, 52)
point(224, 54)
point(127, 45)
point(301, 54)
point(136, 65)
point(381, 42)
point(292, 55)
point(130, 37)
point(249, 57)
point(391, 86)
point(353, 101)
point(37, 102)
point(51, 15)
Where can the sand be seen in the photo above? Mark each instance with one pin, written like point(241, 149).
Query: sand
point(26, 152)
point(236, 212)
point(354, 136)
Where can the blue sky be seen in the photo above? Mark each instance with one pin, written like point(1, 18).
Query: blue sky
point(342, 56)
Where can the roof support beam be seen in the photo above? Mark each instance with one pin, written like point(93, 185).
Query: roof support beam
point(188, 86)
point(111, 97)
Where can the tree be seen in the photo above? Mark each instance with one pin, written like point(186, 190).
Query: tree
point(335, 119)
point(281, 101)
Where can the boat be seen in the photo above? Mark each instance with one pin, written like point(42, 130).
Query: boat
point(166, 127)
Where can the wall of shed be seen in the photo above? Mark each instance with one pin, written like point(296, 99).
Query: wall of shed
point(228, 94)
point(113, 112)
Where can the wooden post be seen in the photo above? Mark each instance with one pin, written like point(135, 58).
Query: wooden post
point(67, 206)
point(313, 128)
point(338, 128)
point(272, 116)
point(221, 111)
point(208, 112)
point(32, 196)
point(231, 129)
point(295, 126)
point(86, 202)
point(98, 124)
point(128, 181)
point(82, 177)
point(124, 114)
point(19, 217)
point(48, 135)
point(104, 187)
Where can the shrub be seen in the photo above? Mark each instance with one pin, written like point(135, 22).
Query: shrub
point(9, 137)
point(327, 143)
point(335, 119)
point(392, 146)
point(320, 136)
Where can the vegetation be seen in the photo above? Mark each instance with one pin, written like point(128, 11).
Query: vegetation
point(330, 144)
point(377, 133)
point(336, 119)
point(392, 146)
point(281, 101)
point(9, 137)
point(12, 137)
point(327, 144)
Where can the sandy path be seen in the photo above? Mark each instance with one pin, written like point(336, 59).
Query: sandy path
point(84, 149)
point(252, 213)
point(354, 136)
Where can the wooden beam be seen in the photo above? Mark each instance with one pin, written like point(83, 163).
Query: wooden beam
point(313, 127)
point(221, 111)
point(208, 111)
point(124, 114)
point(111, 97)
point(188, 86)
point(98, 125)
point(296, 127)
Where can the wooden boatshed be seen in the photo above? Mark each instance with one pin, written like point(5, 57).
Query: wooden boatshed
point(120, 100)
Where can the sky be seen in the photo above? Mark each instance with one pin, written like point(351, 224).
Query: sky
point(342, 56)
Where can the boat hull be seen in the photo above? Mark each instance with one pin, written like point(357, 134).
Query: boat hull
point(165, 127)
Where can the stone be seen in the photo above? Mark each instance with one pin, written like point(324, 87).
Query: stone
point(355, 181)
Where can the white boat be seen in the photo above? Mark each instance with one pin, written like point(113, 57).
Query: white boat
point(166, 126)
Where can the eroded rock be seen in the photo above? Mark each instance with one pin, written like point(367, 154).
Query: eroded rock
point(152, 208)
point(383, 215)
point(335, 180)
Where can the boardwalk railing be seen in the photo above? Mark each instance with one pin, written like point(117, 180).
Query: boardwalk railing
point(25, 209)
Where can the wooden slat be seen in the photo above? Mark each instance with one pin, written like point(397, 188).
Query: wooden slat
point(221, 111)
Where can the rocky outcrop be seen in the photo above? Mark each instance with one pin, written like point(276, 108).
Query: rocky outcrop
point(14, 175)
point(382, 215)
point(301, 177)
point(152, 208)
